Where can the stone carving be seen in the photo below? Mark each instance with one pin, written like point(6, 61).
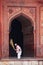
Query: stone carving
point(32, 10)
point(10, 11)
point(13, 10)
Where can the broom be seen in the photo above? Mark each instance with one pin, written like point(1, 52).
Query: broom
point(11, 43)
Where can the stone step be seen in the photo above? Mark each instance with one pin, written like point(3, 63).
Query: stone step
point(21, 61)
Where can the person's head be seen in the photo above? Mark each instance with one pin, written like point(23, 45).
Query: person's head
point(15, 44)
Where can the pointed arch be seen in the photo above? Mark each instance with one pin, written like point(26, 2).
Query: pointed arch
point(27, 27)
point(23, 14)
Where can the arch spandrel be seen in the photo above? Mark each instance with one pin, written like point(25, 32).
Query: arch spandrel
point(23, 14)
point(29, 12)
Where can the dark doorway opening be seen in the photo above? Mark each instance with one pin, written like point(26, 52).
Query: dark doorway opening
point(21, 31)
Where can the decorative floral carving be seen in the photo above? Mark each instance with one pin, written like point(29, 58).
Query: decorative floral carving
point(10, 11)
point(32, 11)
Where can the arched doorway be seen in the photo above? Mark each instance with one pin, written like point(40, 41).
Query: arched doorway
point(21, 31)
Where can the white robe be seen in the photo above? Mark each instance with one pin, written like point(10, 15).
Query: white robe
point(18, 51)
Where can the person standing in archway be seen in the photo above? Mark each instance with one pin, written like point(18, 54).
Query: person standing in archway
point(18, 51)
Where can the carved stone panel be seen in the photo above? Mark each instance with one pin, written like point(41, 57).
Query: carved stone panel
point(10, 12)
point(41, 31)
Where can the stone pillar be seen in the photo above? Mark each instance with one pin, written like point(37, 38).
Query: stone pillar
point(0, 33)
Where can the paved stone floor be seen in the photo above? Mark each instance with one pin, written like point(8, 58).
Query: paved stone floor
point(23, 61)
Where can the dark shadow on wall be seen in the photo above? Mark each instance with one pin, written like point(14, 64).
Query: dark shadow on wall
point(17, 35)
point(21, 31)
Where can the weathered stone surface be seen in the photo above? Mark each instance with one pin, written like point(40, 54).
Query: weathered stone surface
point(32, 10)
point(21, 62)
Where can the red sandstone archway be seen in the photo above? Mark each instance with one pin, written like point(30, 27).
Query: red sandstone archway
point(6, 24)
point(31, 23)
point(25, 15)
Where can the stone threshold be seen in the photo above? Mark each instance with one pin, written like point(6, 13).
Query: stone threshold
point(22, 59)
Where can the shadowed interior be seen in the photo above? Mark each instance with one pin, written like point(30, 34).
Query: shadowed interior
point(21, 31)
